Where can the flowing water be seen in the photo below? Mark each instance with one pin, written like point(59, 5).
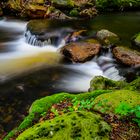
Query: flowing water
point(28, 72)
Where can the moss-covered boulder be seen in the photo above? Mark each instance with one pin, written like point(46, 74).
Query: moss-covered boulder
point(75, 125)
point(127, 56)
point(107, 37)
point(42, 105)
point(100, 82)
point(136, 41)
point(103, 83)
point(108, 102)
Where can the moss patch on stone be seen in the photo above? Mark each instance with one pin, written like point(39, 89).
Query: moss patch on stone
point(108, 102)
point(42, 105)
point(75, 125)
point(100, 82)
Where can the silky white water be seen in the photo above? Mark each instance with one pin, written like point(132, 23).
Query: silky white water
point(21, 57)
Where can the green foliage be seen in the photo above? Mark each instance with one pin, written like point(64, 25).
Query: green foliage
point(53, 110)
point(74, 12)
point(81, 104)
point(124, 109)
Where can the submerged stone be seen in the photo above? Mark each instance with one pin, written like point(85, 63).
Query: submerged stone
point(127, 56)
point(75, 125)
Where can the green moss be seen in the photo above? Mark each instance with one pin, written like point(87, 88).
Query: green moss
point(75, 125)
point(100, 82)
point(42, 105)
point(136, 41)
point(108, 102)
point(134, 85)
point(74, 12)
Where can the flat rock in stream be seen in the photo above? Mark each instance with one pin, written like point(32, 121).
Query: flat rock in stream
point(81, 51)
point(126, 56)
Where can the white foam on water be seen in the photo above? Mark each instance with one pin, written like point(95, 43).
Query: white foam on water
point(80, 80)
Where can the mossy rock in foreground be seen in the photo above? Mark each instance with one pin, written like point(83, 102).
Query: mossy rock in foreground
point(71, 126)
point(42, 105)
point(108, 102)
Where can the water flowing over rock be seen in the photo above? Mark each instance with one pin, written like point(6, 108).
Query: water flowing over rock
point(81, 51)
point(127, 56)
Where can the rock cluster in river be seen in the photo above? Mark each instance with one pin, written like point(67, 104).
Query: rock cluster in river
point(59, 9)
point(64, 9)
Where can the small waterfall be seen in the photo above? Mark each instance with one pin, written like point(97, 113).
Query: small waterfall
point(55, 37)
point(108, 66)
point(34, 41)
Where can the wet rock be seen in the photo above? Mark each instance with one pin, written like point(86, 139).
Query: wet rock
point(75, 35)
point(88, 13)
point(107, 37)
point(100, 82)
point(81, 51)
point(73, 125)
point(126, 56)
point(72, 3)
point(54, 13)
point(1, 13)
point(35, 11)
point(41, 8)
point(136, 41)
